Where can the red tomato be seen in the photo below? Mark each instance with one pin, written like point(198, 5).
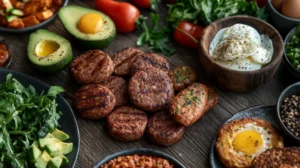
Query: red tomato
point(123, 14)
point(142, 3)
point(260, 3)
point(184, 28)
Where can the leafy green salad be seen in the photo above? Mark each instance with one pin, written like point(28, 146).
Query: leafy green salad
point(25, 116)
point(293, 49)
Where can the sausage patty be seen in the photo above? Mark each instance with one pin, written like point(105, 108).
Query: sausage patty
point(93, 66)
point(124, 59)
point(119, 87)
point(151, 89)
point(163, 130)
point(189, 105)
point(213, 97)
point(127, 123)
point(94, 101)
point(150, 60)
point(182, 77)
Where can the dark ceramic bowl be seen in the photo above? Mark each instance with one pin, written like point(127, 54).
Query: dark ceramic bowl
point(293, 89)
point(282, 23)
point(32, 28)
point(287, 62)
point(233, 80)
point(142, 151)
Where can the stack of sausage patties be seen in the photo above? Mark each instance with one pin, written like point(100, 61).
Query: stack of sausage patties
point(142, 85)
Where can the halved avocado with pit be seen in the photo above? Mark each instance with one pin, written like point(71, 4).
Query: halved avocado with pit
point(49, 52)
point(71, 15)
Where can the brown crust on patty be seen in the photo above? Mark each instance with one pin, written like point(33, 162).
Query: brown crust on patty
point(119, 87)
point(127, 123)
point(151, 89)
point(124, 59)
point(189, 105)
point(94, 101)
point(149, 60)
point(278, 158)
point(163, 130)
point(93, 66)
point(182, 77)
point(223, 146)
point(213, 98)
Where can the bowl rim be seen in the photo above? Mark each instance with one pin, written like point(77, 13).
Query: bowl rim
point(287, 40)
point(280, 14)
point(245, 17)
point(31, 28)
point(140, 151)
point(278, 104)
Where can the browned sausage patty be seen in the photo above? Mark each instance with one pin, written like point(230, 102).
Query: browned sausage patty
point(119, 87)
point(150, 60)
point(124, 59)
point(213, 97)
point(163, 130)
point(93, 66)
point(127, 123)
point(94, 101)
point(189, 105)
point(182, 77)
point(151, 89)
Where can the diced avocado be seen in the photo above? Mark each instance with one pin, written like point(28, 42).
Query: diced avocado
point(11, 18)
point(43, 160)
point(60, 148)
point(71, 15)
point(47, 141)
point(49, 52)
point(7, 5)
point(34, 152)
point(58, 161)
point(60, 135)
point(17, 12)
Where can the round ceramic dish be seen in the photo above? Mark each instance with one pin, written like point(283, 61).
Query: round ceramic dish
point(287, 92)
point(142, 151)
point(31, 28)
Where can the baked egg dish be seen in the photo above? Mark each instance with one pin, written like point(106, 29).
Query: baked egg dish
point(240, 141)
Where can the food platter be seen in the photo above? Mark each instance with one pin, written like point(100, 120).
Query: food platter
point(67, 121)
point(263, 112)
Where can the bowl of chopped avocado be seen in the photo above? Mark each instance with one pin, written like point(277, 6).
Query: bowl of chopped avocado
point(292, 51)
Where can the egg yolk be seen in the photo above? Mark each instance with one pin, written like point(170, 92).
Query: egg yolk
point(247, 142)
point(46, 47)
point(90, 23)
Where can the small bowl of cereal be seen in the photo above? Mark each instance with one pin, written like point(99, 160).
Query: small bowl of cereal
point(141, 157)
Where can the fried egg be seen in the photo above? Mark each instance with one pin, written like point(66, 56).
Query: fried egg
point(240, 141)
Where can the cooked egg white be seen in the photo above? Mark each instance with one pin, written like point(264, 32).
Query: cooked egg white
point(240, 47)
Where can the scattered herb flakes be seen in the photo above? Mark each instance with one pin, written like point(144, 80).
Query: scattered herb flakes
point(176, 111)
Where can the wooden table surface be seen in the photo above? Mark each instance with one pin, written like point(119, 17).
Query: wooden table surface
point(193, 149)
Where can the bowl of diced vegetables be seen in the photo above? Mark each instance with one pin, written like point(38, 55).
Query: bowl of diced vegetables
point(27, 15)
point(292, 51)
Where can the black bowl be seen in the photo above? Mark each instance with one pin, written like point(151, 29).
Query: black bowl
point(32, 28)
point(293, 89)
point(142, 151)
point(287, 62)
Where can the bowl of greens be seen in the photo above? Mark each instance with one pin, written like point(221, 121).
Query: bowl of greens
point(292, 51)
point(37, 125)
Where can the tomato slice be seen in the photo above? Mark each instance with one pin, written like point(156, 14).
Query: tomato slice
point(4, 56)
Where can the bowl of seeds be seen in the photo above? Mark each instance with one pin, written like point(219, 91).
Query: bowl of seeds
point(288, 111)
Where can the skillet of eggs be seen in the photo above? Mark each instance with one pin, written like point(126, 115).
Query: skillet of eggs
point(240, 141)
point(240, 47)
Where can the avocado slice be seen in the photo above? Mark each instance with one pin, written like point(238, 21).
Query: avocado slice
point(49, 52)
point(70, 16)
point(34, 152)
point(59, 148)
point(47, 141)
point(43, 160)
point(58, 161)
point(60, 135)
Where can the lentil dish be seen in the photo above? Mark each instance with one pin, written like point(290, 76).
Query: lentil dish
point(17, 14)
point(136, 161)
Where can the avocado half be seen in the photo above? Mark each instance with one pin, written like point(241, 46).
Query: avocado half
point(49, 52)
point(71, 14)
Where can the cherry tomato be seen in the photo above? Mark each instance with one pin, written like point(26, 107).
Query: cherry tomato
point(4, 55)
point(260, 3)
point(184, 28)
point(142, 3)
point(123, 14)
